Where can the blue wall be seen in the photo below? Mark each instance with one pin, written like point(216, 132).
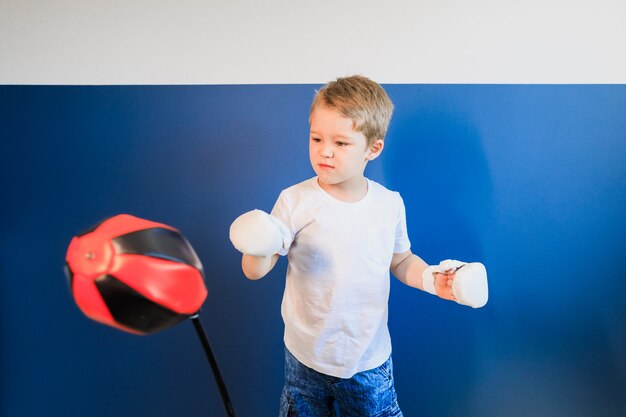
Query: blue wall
point(528, 179)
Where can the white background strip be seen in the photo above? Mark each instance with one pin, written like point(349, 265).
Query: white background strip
point(274, 41)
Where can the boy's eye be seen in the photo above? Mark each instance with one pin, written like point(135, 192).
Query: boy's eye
point(342, 143)
point(316, 139)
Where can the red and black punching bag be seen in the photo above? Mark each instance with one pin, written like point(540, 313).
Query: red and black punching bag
point(134, 274)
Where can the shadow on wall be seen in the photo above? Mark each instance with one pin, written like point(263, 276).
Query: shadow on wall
point(529, 180)
point(436, 160)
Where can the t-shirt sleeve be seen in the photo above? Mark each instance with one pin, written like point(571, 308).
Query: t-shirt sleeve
point(282, 212)
point(402, 243)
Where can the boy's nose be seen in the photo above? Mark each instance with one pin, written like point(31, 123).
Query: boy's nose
point(326, 151)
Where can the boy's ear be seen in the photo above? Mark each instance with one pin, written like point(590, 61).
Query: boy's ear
point(375, 149)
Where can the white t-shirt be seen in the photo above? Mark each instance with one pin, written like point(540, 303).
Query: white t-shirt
point(335, 304)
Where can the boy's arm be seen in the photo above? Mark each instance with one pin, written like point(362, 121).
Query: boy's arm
point(409, 269)
point(259, 236)
point(469, 288)
point(256, 267)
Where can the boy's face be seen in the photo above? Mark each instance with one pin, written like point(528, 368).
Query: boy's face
point(339, 153)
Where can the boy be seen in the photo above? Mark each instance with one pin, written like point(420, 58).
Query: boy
point(342, 233)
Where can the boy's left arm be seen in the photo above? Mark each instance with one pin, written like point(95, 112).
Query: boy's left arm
point(468, 286)
point(409, 269)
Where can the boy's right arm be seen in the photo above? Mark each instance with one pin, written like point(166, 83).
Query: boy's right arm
point(256, 267)
point(259, 236)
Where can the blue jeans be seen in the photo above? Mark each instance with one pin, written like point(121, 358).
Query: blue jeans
point(308, 393)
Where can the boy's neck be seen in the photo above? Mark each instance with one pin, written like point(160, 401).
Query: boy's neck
point(347, 191)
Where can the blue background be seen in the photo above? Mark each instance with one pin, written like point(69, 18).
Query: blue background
point(528, 179)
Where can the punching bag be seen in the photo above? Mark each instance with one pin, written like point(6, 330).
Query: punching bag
point(135, 275)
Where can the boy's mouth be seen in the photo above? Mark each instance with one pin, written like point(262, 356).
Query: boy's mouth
point(324, 166)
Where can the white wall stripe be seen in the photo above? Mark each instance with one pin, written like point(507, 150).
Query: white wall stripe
point(274, 41)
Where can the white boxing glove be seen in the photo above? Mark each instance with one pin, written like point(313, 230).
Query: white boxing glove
point(470, 283)
point(258, 233)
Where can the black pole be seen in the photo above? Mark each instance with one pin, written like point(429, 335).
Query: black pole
point(216, 372)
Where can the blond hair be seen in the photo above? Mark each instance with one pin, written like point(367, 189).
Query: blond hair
point(360, 99)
